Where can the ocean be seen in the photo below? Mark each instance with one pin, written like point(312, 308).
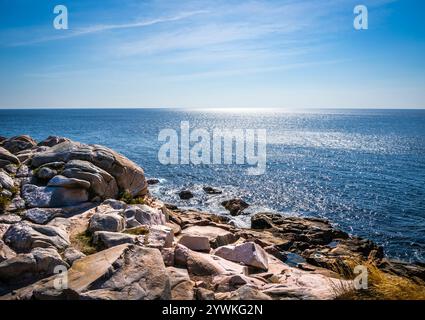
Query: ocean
point(364, 170)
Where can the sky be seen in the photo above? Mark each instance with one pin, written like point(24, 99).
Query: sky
point(212, 54)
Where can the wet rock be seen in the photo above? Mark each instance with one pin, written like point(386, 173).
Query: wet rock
point(16, 204)
point(110, 221)
point(19, 143)
point(22, 237)
point(216, 236)
point(211, 190)
point(182, 288)
point(186, 195)
point(248, 253)
point(71, 183)
point(235, 206)
point(152, 181)
point(105, 239)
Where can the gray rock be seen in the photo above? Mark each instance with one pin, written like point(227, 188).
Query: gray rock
point(102, 184)
point(127, 174)
point(51, 141)
point(52, 197)
point(249, 253)
point(110, 221)
point(159, 237)
point(71, 183)
point(45, 173)
point(125, 272)
point(19, 143)
point(195, 242)
point(6, 194)
point(7, 158)
point(182, 288)
point(5, 180)
point(40, 262)
point(16, 204)
point(11, 168)
point(71, 255)
point(142, 214)
point(9, 218)
point(107, 239)
point(22, 237)
point(23, 171)
point(42, 215)
point(5, 252)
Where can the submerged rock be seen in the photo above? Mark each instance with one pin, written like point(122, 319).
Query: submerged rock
point(186, 195)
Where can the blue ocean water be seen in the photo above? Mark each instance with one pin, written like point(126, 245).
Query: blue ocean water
point(364, 170)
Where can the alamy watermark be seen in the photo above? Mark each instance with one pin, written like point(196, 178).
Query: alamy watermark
point(221, 146)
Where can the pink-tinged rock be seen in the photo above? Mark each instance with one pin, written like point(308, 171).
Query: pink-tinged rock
point(249, 253)
point(196, 243)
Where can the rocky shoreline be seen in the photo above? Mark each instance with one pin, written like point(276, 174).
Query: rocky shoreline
point(78, 222)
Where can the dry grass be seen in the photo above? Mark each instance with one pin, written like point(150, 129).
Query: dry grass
point(83, 243)
point(381, 286)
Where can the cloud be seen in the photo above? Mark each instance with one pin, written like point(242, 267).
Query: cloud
point(107, 27)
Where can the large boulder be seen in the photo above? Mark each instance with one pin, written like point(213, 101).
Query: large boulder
point(129, 177)
point(23, 237)
point(71, 183)
point(7, 158)
point(137, 215)
point(52, 197)
point(125, 272)
point(19, 143)
point(216, 236)
point(102, 184)
point(40, 262)
point(249, 253)
point(182, 288)
point(110, 221)
point(105, 239)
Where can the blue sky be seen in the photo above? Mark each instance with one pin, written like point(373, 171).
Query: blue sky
point(224, 53)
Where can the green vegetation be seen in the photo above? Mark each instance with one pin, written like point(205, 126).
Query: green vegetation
point(128, 198)
point(83, 242)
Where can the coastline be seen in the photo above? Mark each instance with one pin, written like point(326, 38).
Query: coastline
point(88, 208)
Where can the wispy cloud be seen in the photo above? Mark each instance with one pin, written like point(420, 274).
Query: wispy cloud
point(108, 27)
